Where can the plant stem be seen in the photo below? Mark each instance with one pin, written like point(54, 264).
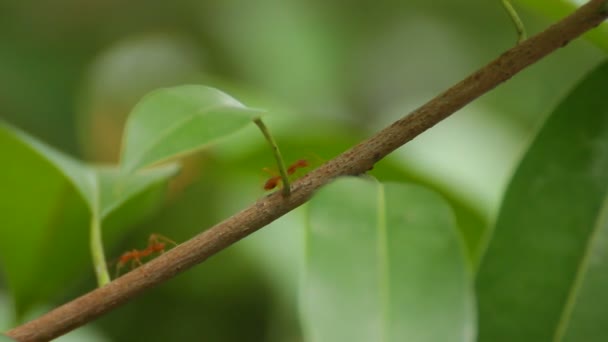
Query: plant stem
point(519, 25)
point(99, 259)
point(277, 155)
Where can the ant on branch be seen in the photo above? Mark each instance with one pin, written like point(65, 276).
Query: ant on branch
point(156, 244)
point(274, 181)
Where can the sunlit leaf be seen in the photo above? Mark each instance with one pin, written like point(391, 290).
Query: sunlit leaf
point(545, 274)
point(172, 121)
point(384, 263)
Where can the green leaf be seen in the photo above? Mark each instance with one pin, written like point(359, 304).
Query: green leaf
point(557, 9)
point(544, 276)
point(43, 235)
point(116, 188)
point(384, 263)
point(102, 187)
point(172, 121)
point(101, 198)
point(79, 174)
point(469, 219)
point(46, 207)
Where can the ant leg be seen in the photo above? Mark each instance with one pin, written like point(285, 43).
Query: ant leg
point(135, 262)
point(119, 265)
point(156, 238)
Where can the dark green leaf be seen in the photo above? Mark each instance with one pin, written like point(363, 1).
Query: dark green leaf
point(544, 276)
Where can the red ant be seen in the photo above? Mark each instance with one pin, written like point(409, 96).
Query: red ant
point(156, 244)
point(273, 181)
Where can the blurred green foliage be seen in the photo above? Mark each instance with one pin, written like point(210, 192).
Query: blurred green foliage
point(330, 74)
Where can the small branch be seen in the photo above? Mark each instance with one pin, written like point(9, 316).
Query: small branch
point(277, 155)
point(355, 161)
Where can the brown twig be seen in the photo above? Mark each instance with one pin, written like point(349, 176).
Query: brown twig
point(355, 161)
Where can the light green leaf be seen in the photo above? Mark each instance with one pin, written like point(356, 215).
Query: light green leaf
point(384, 263)
point(544, 276)
point(115, 188)
point(173, 121)
point(45, 213)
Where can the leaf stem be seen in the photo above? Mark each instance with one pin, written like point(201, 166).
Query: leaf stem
point(99, 259)
point(277, 155)
point(519, 25)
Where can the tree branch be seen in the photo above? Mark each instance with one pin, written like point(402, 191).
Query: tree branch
point(357, 160)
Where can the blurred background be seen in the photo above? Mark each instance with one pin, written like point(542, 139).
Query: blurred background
point(329, 73)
